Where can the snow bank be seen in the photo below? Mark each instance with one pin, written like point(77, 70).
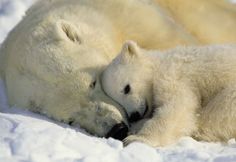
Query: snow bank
point(29, 137)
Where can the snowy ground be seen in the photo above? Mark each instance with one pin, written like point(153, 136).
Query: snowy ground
point(29, 137)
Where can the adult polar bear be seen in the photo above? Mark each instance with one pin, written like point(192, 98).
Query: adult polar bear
point(210, 21)
point(52, 59)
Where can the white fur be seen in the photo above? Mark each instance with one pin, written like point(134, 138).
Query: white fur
point(52, 57)
point(190, 91)
point(54, 54)
point(210, 21)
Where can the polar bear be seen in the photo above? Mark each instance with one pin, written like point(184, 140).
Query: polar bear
point(185, 91)
point(52, 59)
point(210, 21)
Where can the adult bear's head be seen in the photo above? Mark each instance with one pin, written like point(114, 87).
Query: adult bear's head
point(51, 64)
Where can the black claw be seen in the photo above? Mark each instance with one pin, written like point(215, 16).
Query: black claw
point(119, 131)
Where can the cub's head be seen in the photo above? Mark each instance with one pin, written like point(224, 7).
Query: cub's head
point(128, 80)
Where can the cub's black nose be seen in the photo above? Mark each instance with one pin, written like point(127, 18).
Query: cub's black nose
point(135, 116)
point(119, 131)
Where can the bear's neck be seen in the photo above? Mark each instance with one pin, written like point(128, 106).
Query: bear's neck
point(155, 57)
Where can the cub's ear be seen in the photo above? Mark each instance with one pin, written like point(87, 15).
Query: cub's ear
point(67, 31)
point(130, 49)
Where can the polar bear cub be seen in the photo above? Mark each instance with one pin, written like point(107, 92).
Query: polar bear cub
point(185, 91)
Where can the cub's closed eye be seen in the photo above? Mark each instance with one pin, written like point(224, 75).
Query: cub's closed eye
point(93, 84)
point(127, 89)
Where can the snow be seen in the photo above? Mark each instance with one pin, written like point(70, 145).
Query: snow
point(11, 11)
point(29, 137)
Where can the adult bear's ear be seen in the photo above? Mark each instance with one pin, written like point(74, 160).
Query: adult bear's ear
point(130, 50)
point(67, 31)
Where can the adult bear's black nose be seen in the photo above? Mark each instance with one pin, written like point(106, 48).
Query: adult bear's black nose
point(119, 131)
